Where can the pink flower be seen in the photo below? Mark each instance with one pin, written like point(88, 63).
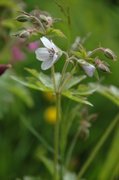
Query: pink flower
point(17, 54)
point(33, 45)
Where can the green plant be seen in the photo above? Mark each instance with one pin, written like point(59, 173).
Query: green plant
point(78, 64)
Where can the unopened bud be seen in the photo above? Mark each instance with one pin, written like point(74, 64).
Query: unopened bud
point(102, 66)
point(24, 34)
point(109, 54)
point(22, 18)
point(88, 68)
point(43, 17)
point(48, 20)
point(4, 67)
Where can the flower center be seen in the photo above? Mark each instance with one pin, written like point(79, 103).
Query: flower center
point(51, 52)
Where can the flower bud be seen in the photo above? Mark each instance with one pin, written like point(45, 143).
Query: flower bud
point(22, 18)
point(48, 20)
point(102, 66)
point(89, 69)
point(24, 34)
point(109, 54)
point(4, 67)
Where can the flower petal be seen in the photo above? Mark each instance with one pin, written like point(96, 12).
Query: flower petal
point(55, 57)
point(42, 54)
point(46, 42)
point(47, 64)
point(89, 69)
point(56, 49)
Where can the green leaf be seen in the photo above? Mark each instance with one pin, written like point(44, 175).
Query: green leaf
point(46, 80)
point(43, 78)
point(84, 90)
point(96, 75)
point(110, 92)
point(47, 162)
point(98, 146)
point(112, 160)
point(74, 81)
point(23, 94)
point(33, 85)
point(56, 32)
point(77, 53)
point(33, 72)
point(79, 99)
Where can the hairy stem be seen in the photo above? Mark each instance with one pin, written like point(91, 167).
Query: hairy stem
point(56, 136)
point(53, 78)
point(71, 148)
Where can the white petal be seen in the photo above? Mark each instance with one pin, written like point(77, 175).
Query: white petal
point(42, 54)
point(47, 64)
point(56, 49)
point(55, 57)
point(89, 69)
point(46, 42)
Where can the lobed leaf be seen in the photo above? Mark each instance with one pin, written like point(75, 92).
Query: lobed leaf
point(56, 32)
point(79, 99)
point(74, 81)
point(33, 85)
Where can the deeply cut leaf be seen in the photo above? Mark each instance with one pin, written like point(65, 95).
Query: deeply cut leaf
point(33, 85)
point(79, 99)
point(74, 81)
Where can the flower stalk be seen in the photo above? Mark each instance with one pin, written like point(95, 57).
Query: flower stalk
point(56, 136)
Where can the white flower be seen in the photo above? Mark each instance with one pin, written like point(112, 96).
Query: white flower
point(87, 67)
point(49, 54)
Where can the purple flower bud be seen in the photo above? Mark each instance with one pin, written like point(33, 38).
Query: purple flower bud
point(4, 67)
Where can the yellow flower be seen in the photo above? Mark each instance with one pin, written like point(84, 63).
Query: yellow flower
point(50, 114)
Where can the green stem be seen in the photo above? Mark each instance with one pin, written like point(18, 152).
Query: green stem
point(53, 78)
point(56, 136)
point(65, 65)
point(39, 22)
point(71, 148)
point(97, 148)
point(95, 51)
point(67, 79)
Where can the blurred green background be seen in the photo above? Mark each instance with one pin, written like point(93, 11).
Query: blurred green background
point(19, 145)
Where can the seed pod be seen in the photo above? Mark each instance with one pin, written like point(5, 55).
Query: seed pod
point(22, 18)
